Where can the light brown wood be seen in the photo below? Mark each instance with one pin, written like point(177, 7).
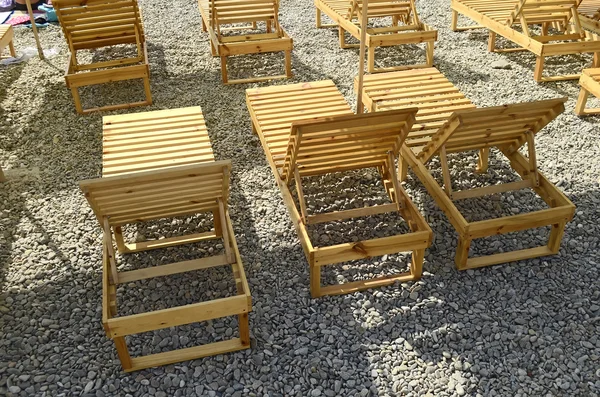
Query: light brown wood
point(501, 18)
point(94, 24)
point(159, 190)
point(447, 122)
point(309, 129)
point(590, 84)
point(219, 16)
point(6, 40)
point(347, 16)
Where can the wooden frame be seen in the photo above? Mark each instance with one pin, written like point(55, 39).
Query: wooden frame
point(219, 15)
point(159, 194)
point(95, 24)
point(501, 17)
point(6, 40)
point(309, 129)
point(590, 84)
point(406, 27)
point(447, 122)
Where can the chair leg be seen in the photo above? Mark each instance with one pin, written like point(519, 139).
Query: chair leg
point(454, 22)
point(556, 235)
point(268, 26)
point(539, 69)
point(224, 69)
point(315, 280)
point(462, 252)
point(581, 102)
point(342, 33)
point(147, 90)
point(416, 264)
point(371, 60)
point(482, 162)
point(204, 29)
point(430, 47)
point(492, 42)
point(77, 100)
point(123, 352)
point(244, 327)
point(11, 48)
point(596, 60)
point(118, 232)
point(2, 177)
point(318, 18)
point(288, 64)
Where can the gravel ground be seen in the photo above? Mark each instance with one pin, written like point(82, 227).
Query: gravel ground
point(521, 329)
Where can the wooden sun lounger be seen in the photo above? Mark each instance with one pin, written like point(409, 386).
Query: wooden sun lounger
point(406, 27)
point(309, 129)
point(160, 165)
point(94, 24)
point(225, 16)
point(589, 14)
point(561, 29)
point(447, 122)
point(590, 84)
point(6, 40)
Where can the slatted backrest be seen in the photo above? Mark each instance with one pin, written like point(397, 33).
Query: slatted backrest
point(99, 23)
point(343, 143)
point(494, 126)
point(241, 11)
point(383, 8)
point(158, 194)
point(538, 11)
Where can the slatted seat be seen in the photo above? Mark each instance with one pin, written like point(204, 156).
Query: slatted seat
point(590, 84)
point(159, 194)
point(308, 129)
point(447, 122)
point(406, 27)
point(94, 24)
point(152, 140)
point(6, 40)
point(221, 18)
point(561, 28)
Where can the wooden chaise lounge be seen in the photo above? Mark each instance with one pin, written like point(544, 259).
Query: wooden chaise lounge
point(561, 31)
point(589, 14)
point(159, 185)
point(6, 40)
point(447, 122)
point(590, 84)
point(406, 27)
point(308, 129)
point(223, 17)
point(95, 24)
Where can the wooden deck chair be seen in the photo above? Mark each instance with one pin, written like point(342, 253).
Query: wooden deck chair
point(447, 122)
point(221, 16)
point(589, 14)
point(406, 27)
point(160, 194)
point(309, 129)
point(590, 84)
point(6, 40)
point(94, 24)
point(501, 18)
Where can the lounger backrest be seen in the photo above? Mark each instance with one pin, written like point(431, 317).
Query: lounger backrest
point(494, 126)
point(538, 11)
point(344, 143)
point(99, 23)
point(384, 8)
point(150, 195)
point(240, 11)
